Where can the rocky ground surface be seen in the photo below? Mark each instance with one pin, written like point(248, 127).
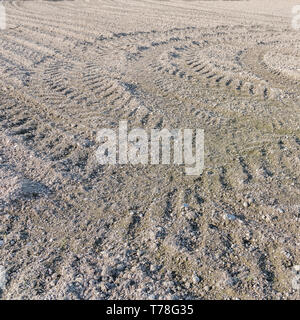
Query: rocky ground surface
point(73, 229)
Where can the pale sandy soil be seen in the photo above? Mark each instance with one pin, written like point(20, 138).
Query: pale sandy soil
point(72, 229)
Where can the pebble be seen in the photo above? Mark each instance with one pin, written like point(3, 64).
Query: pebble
point(245, 204)
point(229, 216)
point(250, 200)
point(2, 277)
point(153, 268)
point(191, 215)
point(196, 279)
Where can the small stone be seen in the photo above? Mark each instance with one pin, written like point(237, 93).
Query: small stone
point(153, 268)
point(2, 277)
point(245, 204)
point(250, 200)
point(191, 214)
point(196, 279)
point(229, 216)
point(1, 243)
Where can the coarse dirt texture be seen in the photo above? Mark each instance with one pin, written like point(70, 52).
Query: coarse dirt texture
point(73, 229)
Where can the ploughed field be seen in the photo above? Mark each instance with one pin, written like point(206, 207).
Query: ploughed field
point(71, 228)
